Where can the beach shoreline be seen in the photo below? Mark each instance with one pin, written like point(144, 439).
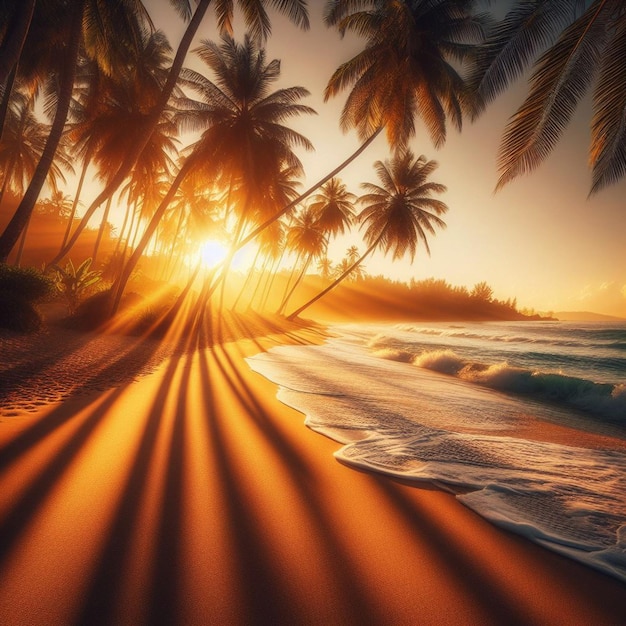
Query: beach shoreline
point(217, 504)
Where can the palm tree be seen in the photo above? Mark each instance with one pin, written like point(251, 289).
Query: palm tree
point(244, 143)
point(398, 214)
point(575, 47)
point(333, 207)
point(59, 204)
point(20, 150)
point(112, 118)
point(21, 145)
point(407, 70)
point(325, 267)
point(255, 18)
point(309, 240)
point(106, 32)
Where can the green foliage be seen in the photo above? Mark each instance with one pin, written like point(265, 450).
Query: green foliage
point(74, 283)
point(26, 282)
point(18, 314)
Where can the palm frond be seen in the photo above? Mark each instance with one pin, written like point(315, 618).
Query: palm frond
point(608, 126)
point(513, 44)
point(563, 75)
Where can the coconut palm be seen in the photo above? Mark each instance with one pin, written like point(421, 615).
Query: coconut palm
point(112, 112)
point(333, 207)
point(57, 33)
point(244, 143)
point(309, 240)
point(325, 267)
point(255, 18)
point(576, 47)
point(398, 214)
point(407, 70)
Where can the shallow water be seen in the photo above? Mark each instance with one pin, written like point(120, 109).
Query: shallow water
point(470, 407)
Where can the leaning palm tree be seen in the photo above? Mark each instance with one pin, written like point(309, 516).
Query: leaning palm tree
point(21, 145)
point(57, 34)
point(244, 142)
point(398, 214)
point(256, 20)
point(333, 207)
point(408, 70)
point(576, 47)
point(309, 240)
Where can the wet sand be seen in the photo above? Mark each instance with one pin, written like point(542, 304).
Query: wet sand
point(180, 491)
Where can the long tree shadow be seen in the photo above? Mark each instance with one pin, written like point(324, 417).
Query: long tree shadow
point(107, 581)
point(132, 360)
point(261, 583)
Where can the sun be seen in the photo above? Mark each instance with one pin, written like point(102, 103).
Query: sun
point(212, 253)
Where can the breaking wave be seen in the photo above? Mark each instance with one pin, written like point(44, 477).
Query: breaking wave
point(600, 399)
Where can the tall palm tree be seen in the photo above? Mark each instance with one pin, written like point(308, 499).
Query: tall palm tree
point(576, 47)
point(255, 18)
point(309, 240)
point(398, 214)
point(105, 31)
point(21, 145)
point(112, 115)
point(407, 70)
point(333, 207)
point(244, 141)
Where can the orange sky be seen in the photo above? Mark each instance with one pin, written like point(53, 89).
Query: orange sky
point(540, 239)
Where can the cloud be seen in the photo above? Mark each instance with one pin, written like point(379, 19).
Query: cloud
point(607, 297)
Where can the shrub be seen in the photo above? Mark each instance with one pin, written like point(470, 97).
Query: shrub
point(18, 314)
point(74, 283)
point(27, 282)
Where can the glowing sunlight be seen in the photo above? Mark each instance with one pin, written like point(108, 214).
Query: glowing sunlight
point(212, 253)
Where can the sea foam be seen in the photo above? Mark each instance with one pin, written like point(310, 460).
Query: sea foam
point(461, 431)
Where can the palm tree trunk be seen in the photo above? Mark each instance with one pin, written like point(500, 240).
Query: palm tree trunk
point(120, 238)
point(259, 282)
point(270, 281)
point(151, 123)
point(6, 98)
point(167, 273)
point(5, 182)
point(250, 236)
point(79, 189)
point(18, 222)
point(290, 278)
point(120, 283)
point(286, 299)
point(16, 32)
point(103, 224)
point(322, 293)
point(248, 279)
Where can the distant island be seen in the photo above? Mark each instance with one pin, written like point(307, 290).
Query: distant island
point(379, 298)
point(586, 316)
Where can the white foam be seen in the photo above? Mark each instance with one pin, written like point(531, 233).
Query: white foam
point(402, 420)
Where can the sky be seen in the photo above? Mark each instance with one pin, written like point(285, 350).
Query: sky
point(541, 239)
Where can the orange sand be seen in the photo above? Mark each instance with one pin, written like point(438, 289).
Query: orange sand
point(192, 496)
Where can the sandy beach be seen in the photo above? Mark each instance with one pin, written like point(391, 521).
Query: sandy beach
point(174, 488)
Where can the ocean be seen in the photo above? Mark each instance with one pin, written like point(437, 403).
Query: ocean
point(524, 421)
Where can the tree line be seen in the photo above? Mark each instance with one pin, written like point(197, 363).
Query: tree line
point(119, 101)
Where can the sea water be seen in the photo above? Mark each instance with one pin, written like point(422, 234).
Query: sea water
point(467, 405)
